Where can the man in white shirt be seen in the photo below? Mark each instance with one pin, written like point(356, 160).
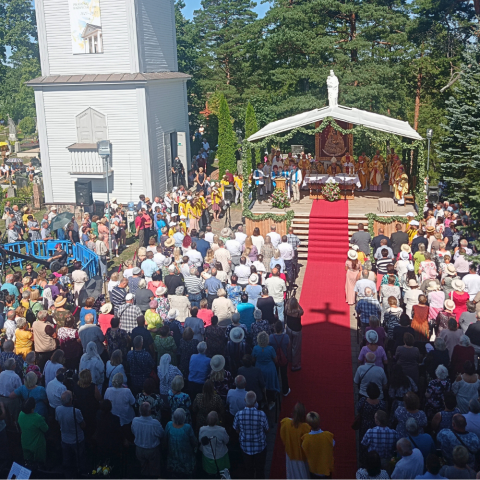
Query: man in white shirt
point(195, 256)
point(287, 253)
point(9, 382)
point(276, 237)
point(364, 283)
point(55, 388)
point(156, 203)
point(52, 214)
point(276, 288)
point(296, 183)
point(242, 271)
point(209, 234)
point(383, 245)
point(223, 256)
point(206, 145)
point(159, 258)
point(464, 245)
point(240, 236)
point(412, 461)
point(235, 249)
point(148, 434)
point(472, 282)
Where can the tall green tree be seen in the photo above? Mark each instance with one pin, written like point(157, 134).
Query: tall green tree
point(227, 143)
point(251, 127)
point(459, 148)
point(223, 41)
point(18, 32)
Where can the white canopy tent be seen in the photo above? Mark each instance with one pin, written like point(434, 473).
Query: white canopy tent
point(338, 112)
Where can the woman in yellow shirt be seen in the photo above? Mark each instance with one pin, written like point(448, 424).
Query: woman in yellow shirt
point(223, 182)
point(23, 338)
point(291, 433)
point(238, 180)
point(183, 224)
point(192, 215)
point(216, 199)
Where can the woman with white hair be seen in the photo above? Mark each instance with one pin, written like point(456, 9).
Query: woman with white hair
point(143, 296)
point(435, 391)
point(463, 352)
point(122, 400)
point(178, 399)
point(91, 361)
point(223, 308)
point(181, 446)
point(277, 260)
point(30, 389)
point(181, 303)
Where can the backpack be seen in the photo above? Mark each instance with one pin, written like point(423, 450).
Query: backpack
point(282, 360)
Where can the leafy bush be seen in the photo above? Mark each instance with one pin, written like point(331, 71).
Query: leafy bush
point(27, 125)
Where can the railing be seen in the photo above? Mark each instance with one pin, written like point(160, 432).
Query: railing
point(43, 250)
point(88, 258)
point(86, 161)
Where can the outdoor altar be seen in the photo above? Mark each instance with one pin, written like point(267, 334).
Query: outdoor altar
point(317, 182)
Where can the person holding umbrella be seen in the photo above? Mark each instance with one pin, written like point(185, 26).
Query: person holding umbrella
point(58, 222)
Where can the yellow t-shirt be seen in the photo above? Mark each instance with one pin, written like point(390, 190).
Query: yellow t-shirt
point(183, 226)
point(216, 198)
point(23, 342)
point(182, 208)
point(171, 232)
point(222, 185)
point(238, 183)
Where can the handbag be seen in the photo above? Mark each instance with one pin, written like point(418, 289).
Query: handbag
point(357, 423)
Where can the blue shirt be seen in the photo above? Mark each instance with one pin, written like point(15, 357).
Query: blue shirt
point(12, 290)
point(149, 267)
point(84, 312)
point(178, 237)
point(212, 285)
point(202, 246)
point(199, 368)
point(246, 314)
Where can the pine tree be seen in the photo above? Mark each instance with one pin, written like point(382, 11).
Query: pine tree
point(251, 127)
point(460, 147)
point(226, 139)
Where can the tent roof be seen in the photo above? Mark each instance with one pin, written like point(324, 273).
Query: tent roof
point(345, 114)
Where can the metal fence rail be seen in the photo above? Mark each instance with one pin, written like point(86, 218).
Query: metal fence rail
point(44, 250)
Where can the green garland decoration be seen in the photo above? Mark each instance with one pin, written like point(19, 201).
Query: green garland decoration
point(416, 146)
point(287, 216)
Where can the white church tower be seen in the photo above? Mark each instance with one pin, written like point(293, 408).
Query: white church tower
point(109, 72)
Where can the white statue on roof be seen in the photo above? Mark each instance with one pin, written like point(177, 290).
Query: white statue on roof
point(332, 86)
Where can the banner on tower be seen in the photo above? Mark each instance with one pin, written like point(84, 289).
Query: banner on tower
point(86, 27)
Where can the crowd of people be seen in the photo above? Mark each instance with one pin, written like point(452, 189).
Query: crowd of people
point(416, 295)
point(185, 358)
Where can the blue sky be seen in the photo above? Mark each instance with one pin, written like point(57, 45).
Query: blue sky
point(191, 5)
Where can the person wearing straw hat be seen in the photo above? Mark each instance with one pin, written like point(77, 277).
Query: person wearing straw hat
point(441, 322)
point(460, 297)
point(436, 299)
point(450, 275)
point(353, 269)
point(411, 296)
point(236, 349)
point(253, 289)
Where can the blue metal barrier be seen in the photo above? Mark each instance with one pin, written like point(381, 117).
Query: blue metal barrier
point(44, 250)
point(18, 247)
point(88, 258)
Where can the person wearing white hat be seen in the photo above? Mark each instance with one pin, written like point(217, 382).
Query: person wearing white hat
point(402, 263)
point(371, 336)
point(353, 268)
point(253, 289)
point(459, 296)
point(411, 296)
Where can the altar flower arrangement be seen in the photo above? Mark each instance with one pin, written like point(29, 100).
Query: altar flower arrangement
point(331, 192)
point(279, 199)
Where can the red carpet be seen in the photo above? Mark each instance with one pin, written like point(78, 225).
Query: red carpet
point(325, 383)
